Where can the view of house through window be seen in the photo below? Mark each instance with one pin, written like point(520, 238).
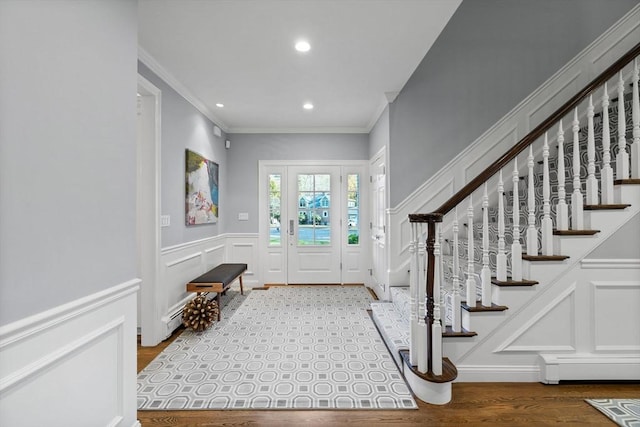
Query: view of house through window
point(314, 209)
point(353, 209)
point(275, 199)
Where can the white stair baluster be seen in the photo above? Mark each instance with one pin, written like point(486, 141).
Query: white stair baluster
point(622, 160)
point(413, 295)
point(471, 283)
point(443, 307)
point(501, 258)
point(436, 327)
point(635, 114)
point(516, 246)
point(532, 232)
point(562, 210)
point(606, 172)
point(577, 204)
point(456, 317)
point(592, 182)
point(422, 302)
point(547, 223)
point(485, 275)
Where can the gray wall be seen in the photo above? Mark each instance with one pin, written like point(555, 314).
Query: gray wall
point(490, 56)
point(623, 244)
point(379, 135)
point(247, 149)
point(67, 152)
point(184, 126)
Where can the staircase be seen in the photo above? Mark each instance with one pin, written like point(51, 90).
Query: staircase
point(512, 248)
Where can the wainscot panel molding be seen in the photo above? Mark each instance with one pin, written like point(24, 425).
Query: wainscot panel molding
point(54, 357)
point(181, 263)
point(243, 248)
point(518, 122)
point(578, 325)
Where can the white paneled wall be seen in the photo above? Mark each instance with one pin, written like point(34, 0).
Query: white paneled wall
point(92, 341)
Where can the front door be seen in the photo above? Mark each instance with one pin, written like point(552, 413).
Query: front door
point(311, 219)
point(313, 225)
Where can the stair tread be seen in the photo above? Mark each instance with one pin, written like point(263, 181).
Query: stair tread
point(511, 282)
point(448, 332)
point(541, 257)
point(631, 181)
point(575, 232)
point(604, 207)
point(479, 307)
point(449, 371)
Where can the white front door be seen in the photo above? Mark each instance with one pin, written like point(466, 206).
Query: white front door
point(313, 225)
point(311, 219)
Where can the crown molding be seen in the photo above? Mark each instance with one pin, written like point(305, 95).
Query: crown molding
point(299, 130)
point(148, 60)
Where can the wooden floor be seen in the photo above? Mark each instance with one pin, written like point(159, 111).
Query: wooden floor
point(496, 404)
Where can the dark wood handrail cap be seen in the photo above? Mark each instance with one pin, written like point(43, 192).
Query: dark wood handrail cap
point(425, 217)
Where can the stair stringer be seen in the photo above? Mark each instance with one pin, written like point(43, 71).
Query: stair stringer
point(491, 355)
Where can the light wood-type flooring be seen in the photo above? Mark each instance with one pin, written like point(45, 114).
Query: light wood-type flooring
point(473, 404)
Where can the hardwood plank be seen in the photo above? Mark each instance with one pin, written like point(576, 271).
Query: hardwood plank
point(473, 404)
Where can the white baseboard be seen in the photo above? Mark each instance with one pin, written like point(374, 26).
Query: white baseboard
point(54, 357)
point(498, 373)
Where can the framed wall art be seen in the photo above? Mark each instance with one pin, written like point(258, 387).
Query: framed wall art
point(201, 184)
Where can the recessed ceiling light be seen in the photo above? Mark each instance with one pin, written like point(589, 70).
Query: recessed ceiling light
point(219, 105)
point(303, 46)
point(308, 106)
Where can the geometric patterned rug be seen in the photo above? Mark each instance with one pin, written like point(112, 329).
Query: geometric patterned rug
point(308, 347)
point(624, 412)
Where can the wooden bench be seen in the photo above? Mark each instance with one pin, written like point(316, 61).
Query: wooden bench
point(218, 280)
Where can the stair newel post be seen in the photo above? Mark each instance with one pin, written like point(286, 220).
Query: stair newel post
point(441, 283)
point(470, 283)
point(577, 204)
point(622, 160)
point(516, 246)
point(606, 172)
point(485, 275)
point(501, 259)
point(592, 182)
point(436, 326)
point(424, 347)
point(456, 316)
point(413, 295)
point(547, 223)
point(562, 210)
point(635, 114)
point(425, 359)
point(532, 232)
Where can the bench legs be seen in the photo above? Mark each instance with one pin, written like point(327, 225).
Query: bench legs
point(219, 294)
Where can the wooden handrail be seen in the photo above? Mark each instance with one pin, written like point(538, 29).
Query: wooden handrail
point(537, 132)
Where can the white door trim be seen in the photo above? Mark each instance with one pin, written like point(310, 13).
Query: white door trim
point(148, 214)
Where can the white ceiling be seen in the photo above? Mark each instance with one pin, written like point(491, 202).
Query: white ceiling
point(241, 53)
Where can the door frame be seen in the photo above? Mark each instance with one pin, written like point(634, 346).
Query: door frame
point(265, 166)
point(148, 235)
point(380, 272)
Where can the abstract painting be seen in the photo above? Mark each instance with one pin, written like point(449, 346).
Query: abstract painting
point(201, 189)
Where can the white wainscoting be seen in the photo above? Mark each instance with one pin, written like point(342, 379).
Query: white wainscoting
point(505, 133)
point(74, 365)
point(606, 325)
point(180, 264)
point(583, 326)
